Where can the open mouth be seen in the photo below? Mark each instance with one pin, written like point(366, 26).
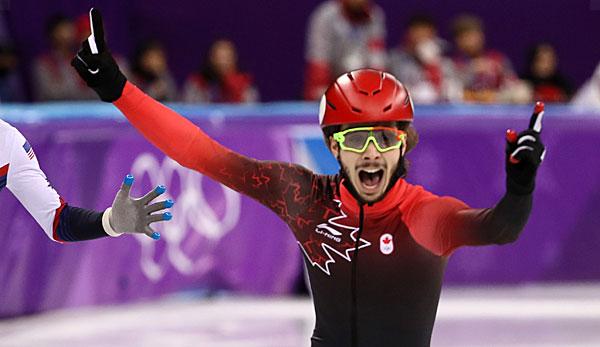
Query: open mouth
point(370, 178)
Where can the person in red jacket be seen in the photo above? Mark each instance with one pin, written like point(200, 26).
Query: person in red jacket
point(486, 74)
point(375, 245)
point(219, 78)
point(342, 35)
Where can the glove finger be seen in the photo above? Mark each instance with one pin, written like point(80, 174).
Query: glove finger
point(78, 60)
point(511, 136)
point(533, 154)
point(521, 153)
point(127, 183)
point(91, 63)
point(526, 138)
point(151, 195)
point(159, 217)
point(81, 67)
point(151, 233)
point(157, 206)
point(96, 39)
point(531, 151)
point(535, 147)
point(543, 155)
point(535, 122)
point(85, 49)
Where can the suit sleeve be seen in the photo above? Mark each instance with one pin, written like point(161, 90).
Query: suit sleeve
point(276, 185)
point(25, 179)
point(442, 224)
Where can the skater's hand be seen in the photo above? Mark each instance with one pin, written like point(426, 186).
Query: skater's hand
point(130, 215)
point(95, 64)
point(524, 154)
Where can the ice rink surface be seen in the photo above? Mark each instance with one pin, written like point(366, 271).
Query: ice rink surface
point(532, 316)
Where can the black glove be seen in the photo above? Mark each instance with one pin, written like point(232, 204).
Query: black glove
point(524, 154)
point(95, 64)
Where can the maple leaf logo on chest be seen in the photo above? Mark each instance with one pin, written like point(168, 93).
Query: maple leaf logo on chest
point(334, 236)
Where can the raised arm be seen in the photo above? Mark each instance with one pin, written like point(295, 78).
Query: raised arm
point(272, 183)
point(443, 224)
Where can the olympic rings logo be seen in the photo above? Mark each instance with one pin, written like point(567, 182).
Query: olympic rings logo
point(194, 222)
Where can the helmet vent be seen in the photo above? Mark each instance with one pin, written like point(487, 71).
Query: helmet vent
point(363, 92)
point(357, 110)
point(376, 91)
point(387, 108)
point(350, 76)
point(331, 105)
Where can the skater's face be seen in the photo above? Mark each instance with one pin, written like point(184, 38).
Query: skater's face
point(369, 172)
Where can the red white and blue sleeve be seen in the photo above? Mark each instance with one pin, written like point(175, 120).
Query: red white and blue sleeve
point(20, 172)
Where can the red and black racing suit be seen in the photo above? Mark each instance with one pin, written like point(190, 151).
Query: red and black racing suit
point(387, 292)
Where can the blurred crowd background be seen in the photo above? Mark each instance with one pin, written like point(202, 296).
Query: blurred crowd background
point(244, 52)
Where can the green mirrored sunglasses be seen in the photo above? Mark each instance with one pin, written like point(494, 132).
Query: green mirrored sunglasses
point(357, 139)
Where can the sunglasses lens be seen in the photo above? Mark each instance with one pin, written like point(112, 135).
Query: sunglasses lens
point(356, 139)
point(386, 138)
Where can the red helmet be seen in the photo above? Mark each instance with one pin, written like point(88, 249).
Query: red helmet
point(365, 96)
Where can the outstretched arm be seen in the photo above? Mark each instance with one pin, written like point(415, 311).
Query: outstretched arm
point(61, 222)
point(457, 225)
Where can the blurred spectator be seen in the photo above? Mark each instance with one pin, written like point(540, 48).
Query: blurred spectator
point(589, 94)
point(486, 74)
point(11, 88)
point(54, 78)
point(542, 73)
point(343, 35)
point(218, 79)
point(150, 72)
point(419, 64)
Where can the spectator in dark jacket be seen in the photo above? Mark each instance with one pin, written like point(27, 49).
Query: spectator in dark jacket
point(487, 75)
point(11, 88)
point(150, 71)
point(420, 64)
point(548, 84)
point(53, 76)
